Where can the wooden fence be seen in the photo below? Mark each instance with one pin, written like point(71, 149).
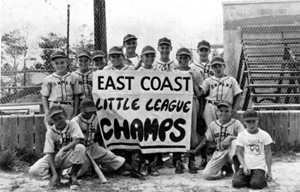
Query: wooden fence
point(29, 130)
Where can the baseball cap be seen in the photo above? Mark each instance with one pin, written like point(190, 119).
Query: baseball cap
point(97, 54)
point(164, 40)
point(250, 114)
point(217, 60)
point(148, 49)
point(224, 103)
point(116, 50)
point(83, 53)
point(58, 54)
point(203, 44)
point(87, 105)
point(129, 37)
point(55, 109)
point(183, 51)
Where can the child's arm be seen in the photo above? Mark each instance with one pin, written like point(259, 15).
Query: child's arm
point(226, 142)
point(45, 104)
point(55, 178)
point(76, 105)
point(200, 146)
point(240, 154)
point(237, 104)
point(268, 161)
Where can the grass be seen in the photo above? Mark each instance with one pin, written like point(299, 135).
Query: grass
point(7, 158)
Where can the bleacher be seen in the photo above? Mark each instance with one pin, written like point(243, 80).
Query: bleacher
point(268, 70)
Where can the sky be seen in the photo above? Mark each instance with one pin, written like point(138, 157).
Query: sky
point(184, 22)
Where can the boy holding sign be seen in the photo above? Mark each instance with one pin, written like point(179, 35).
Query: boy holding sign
point(116, 56)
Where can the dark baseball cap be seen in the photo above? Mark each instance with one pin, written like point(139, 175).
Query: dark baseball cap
point(129, 37)
point(164, 40)
point(250, 114)
point(58, 54)
point(84, 53)
point(148, 49)
point(87, 105)
point(203, 44)
point(116, 50)
point(183, 51)
point(224, 103)
point(217, 60)
point(55, 109)
point(97, 54)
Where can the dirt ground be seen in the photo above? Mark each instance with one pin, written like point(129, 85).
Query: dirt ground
point(286, 178)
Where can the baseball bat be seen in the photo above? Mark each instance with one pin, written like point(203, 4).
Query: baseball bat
point(97, 169)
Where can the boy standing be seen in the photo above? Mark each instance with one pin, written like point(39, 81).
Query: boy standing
point(98, 58)
point(60, 88)
point(254, 153)
point(63, 149)
point(223, 133)
point(130, 44)
point(84, 75)
point(117, 59)
point(165, 63)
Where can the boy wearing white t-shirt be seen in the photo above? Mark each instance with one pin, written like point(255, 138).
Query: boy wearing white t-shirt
point(254, 154)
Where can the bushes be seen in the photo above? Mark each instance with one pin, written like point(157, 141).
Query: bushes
point(7, 158)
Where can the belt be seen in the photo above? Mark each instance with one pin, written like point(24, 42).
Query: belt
point(213, 102)
point(63, 102)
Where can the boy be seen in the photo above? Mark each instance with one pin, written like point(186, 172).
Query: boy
point(165, 63)
point(223, 133)
point(183, 57)
point(130, 44)
point(98, 58)
point(88, 122)
point(220, 87)
point(254, 153)
point(84, 75)
point(63, 149)
point(60, 88)
point(203, 65)
point(116, 56)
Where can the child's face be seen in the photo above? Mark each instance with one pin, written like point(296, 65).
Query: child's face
point(218, 69)
point(224, 113)
point(130, 45)
point(59, 121)
point(84, 63)
point(60, 65)
point(164, 51)
point(99, 62)
point(251, 125)
point(116, 59)
point(148, 59)
point(183, 60)
point(203, 53)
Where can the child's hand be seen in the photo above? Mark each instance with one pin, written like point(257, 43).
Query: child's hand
point(54, 181)
point(269, 176)
point(246, 171)
point(226, 143)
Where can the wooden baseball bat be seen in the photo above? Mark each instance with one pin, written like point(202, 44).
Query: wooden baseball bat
point(96, 168)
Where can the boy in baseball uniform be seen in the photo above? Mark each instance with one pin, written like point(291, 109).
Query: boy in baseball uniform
point(164, 63)
point(63, 149)
point(98, 59)
point(130, 44)
point(118, 61)
point(84, 75)
point(220, 87)
point(254, 153)
point(60, 88)
point(223, 133)
point(88, 122)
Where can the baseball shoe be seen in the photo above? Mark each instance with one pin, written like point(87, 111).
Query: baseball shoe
point(179, 167)
point(152, 170)
point(192, 168)
point(144, 169)
point(74, 185)
point(202, 165)
point(135, 174)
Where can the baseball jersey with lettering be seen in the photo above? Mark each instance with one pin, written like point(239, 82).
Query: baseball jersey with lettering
point(204, 69)
point(56, 139)
point(224, 88)
point(124, 68)
point(60, 88)
point(254, 148)
point(217, 132)
point(168, 66)
point(85, 82)
point(88, 127)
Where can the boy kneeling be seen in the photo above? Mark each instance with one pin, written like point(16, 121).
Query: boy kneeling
point(223, 132)
point(63, 149)
point(254, 153)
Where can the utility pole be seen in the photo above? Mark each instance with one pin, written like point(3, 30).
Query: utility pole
point(100, 25)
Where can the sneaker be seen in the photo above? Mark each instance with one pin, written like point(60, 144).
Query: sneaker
point(202, 165)
point(144, 169)
point(74, 185)
point(179, 167)
point(152, 169)
point(135, 174)
point(192, 168)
